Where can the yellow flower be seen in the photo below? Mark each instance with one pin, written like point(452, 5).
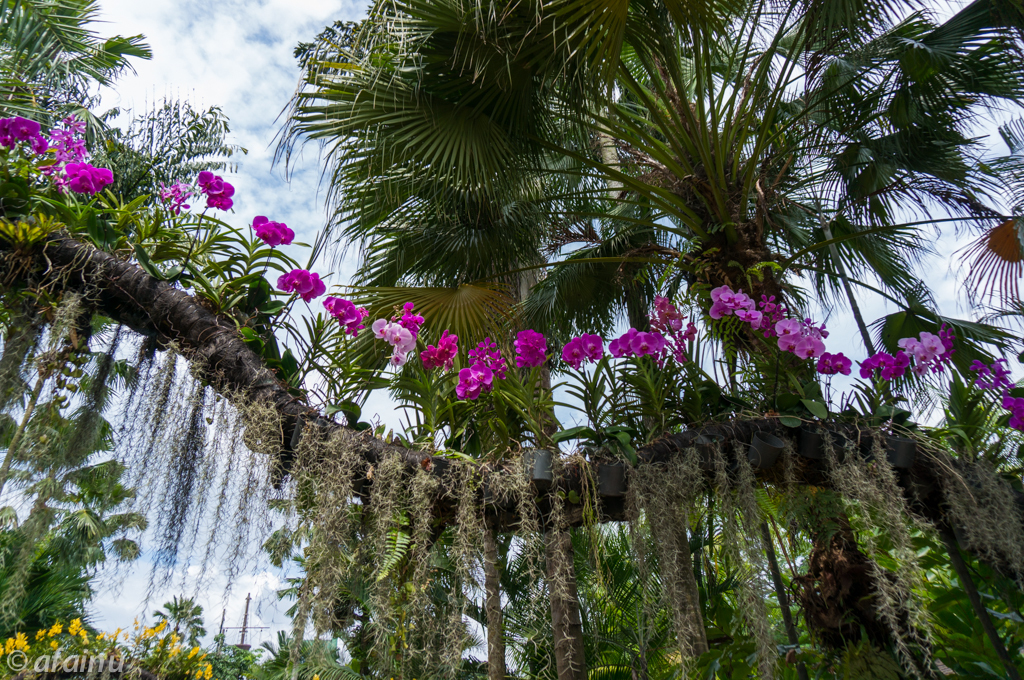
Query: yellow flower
point(56, 629)
point(9, 646)
point(101, 636)
point(54, 644)
point(85, 637)
point(175, 649)
point(40, 634)
point(209, 672)
point(316, 677)
point(160, 626)
point(75, 626)
point(20, 642)
point(195, 650)
point(199, 674)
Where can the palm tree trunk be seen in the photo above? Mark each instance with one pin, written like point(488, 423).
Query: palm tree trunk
point(19, 434)
point(841, 270)
point(492, 606)
point(967, 583)
point(780, 592)
point(566, 622)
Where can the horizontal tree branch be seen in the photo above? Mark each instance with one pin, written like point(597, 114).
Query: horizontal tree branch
point(128, 295)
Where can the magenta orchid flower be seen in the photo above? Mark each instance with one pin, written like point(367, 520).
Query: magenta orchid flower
point(443, 354)
point(307, 284)
point(531, 349)
point(348, 316)
point(83, 178)
point(272, 233)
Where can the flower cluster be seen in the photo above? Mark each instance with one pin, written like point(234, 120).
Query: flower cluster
point(891, 366)
point(443, 354)
point(587, 347)
point(18, 129)
point(272, 233)
point(307, 284)
point(930, 351)
point(68, 143)
point(218, 192)
point(726, 302)
point(348, 316)
point(487, 354)
point(994, 377)
point(62, 650)
point(801, 338)
point(830, 364)
point(637, 343)
point(175, 196)
point(410, 320)
point(997, 377)
point(473, 381)
point(486, 364)
point(531, 349)
point(83, 178)
point(1015, 405)
point(771, 314)
point(400, 333)
point(667, 320)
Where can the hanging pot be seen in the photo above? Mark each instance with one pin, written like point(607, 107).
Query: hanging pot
point(812, 444)
point(706, 445)
point(538, 467)
point(900, 451)
point(611, 479)
point(437, 466)
point(764, 450)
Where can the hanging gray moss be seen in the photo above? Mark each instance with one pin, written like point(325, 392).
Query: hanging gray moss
point(664, 495)
point(873, 501)
point(22, 336)
point(741, 541)
point(985, 512)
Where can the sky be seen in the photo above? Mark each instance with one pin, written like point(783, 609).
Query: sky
point(238, 55)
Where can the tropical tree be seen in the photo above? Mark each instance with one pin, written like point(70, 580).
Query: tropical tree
point(185, 617)
point(51, 59)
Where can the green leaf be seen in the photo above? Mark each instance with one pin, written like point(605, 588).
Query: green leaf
point(147, 265)
point(581, 432)
point(351, 410)
point(790, 421)
point(817, 409)
point(273, 307)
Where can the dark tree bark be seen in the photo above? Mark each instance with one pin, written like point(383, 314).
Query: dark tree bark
point(780, 592)
point(566, 621)
point(492, 606)
point(127, 294)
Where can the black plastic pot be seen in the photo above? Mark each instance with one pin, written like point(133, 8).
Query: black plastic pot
point(611, 479)
point(764, 450)
point(538, 467)
point(706, 445)
point(812, 444)
point(900, 451)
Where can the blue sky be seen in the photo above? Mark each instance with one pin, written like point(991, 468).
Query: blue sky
point(236, 55)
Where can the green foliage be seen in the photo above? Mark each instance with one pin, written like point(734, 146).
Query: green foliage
point(51, 58)
point(184, 617)
point(230, 662)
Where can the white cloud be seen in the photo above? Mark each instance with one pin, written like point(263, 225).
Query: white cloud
point(236, 55)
